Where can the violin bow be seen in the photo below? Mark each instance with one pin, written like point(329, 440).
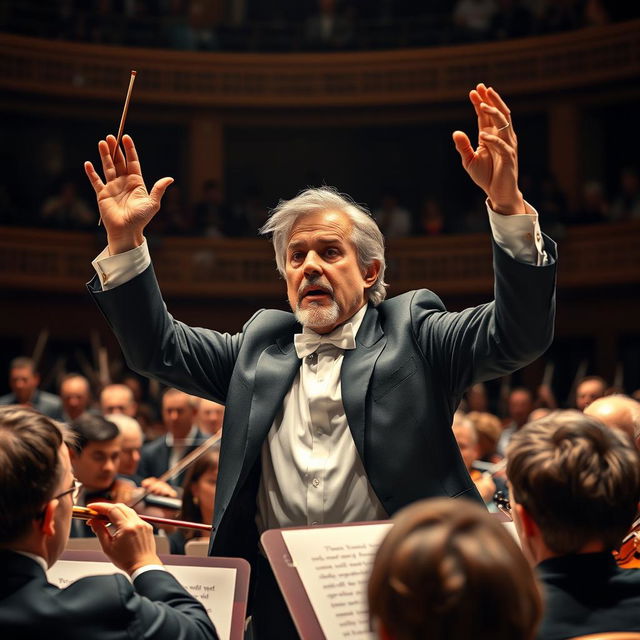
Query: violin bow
point(182, 464)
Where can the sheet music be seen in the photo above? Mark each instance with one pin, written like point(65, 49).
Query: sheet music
point(334, 566)
point(213, 586)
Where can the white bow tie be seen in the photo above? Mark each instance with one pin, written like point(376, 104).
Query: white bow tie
point(342, 337)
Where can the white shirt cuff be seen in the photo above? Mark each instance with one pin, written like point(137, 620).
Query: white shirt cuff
point(148, 567)
point(519, 236)
point(120, 268)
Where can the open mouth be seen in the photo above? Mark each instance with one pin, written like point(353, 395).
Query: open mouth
point(315, 293)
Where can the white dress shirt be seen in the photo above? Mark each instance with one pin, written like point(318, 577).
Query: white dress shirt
point(311, 470)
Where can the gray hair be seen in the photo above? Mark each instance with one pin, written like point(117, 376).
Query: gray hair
point(366, 236)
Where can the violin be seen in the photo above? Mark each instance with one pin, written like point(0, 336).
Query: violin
point(628, 555)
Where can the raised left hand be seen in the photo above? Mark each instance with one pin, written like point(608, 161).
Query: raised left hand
point(493, 165)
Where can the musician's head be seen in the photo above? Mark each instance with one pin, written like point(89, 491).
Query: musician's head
point(96, 456)
point(331, 253)
point(179, 412)
point(23, 378)
point(199, 490)
point(589, 389)
point(75, 392)
point(574, 483)
point(448, 570)
point(618, 412)
point(131, 440)
point(118, 398)
point(36, 483)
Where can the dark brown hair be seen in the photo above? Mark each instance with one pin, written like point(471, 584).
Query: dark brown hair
point(29, 467)
point(579, 480)
point(191, 511)
point(448, 570)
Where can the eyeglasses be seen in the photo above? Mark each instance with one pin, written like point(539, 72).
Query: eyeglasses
point(74, 491)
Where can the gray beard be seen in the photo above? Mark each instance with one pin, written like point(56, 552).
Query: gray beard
point(317, 316)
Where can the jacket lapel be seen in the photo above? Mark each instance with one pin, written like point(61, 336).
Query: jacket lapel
point(275, 371)
point(357, 368)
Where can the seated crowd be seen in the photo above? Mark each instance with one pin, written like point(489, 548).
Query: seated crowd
point(569, 479)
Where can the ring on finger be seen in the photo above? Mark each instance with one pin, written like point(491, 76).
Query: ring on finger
point(506, 126)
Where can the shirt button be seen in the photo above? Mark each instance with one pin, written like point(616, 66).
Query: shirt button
point(538, 237)
point(316, 482)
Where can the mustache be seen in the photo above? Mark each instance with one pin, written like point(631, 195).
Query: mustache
point(311, 283)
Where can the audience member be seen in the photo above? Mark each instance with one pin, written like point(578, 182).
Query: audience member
point(594, 206)
point(574, 487)
point(448, 570)
point(519, 406)
point(432, 221)
point(199, 492)
point(210, 416)
point(393, 219)
point(589, 389)
point(472, 19)
point(37, 492)
point(618, 411)
point(210, 214)
point(328, 28)
point(626, 203)
point(23, 382)
point(67, 210)
point(75, 393)
point(182, 437)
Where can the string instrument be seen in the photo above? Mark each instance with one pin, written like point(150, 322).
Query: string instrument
point(628, 555)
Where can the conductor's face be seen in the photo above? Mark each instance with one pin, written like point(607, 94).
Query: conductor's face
point(325, 284)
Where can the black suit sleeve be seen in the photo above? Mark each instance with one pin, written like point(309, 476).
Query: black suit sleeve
point(499, 337)
point(156, 607)
point(198, 361)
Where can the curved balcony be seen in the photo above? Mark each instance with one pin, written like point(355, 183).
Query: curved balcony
point(536, 64)
point(56, 261)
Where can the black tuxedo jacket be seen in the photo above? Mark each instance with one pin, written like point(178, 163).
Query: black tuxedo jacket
point(400, 386)
point(588, 593)
point(97, 608)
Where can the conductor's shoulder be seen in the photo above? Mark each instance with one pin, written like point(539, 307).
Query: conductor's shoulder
point(422, 299)
point(271, 320)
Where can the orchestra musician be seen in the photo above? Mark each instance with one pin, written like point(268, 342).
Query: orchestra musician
point(37, 491)
point(574, 491)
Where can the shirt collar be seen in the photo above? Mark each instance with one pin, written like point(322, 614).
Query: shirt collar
point(39, 559)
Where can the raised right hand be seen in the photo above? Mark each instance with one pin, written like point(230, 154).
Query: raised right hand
point(126, 207)
point(131, 545)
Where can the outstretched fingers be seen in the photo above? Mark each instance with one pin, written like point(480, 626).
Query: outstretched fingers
point(496, 143)
point(133, 162)
point(158, 189)
point(94, 178)
point(463, 147)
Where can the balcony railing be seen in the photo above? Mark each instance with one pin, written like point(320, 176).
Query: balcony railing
point(57, 261)
point(415, 76)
